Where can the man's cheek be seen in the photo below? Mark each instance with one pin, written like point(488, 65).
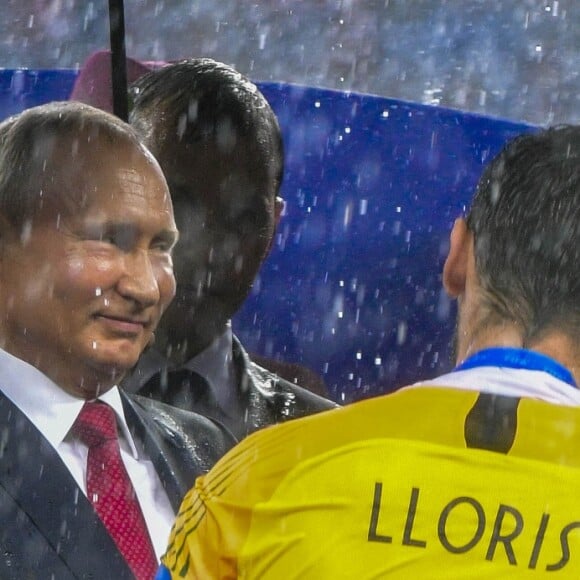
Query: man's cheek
point(92, 277)
point(164, 275)
point(41, 285)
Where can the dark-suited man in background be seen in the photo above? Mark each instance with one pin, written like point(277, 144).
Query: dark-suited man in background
point(90, 478)
point(220, 147)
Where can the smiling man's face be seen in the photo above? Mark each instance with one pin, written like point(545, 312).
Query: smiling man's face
point(84, 283)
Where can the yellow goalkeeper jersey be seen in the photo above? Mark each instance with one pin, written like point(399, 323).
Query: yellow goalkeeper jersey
point(427, 483)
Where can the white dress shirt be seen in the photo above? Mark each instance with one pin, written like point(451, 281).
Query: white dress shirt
point(53, 412)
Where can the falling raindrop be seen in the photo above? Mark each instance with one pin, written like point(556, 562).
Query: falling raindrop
point(401, 332)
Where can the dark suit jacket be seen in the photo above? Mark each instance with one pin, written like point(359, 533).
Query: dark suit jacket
point(265, 398)
point(48, 528)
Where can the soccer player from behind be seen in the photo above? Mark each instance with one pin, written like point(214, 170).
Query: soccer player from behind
point(474, 474)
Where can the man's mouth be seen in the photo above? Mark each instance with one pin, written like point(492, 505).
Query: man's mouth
point(128, 325)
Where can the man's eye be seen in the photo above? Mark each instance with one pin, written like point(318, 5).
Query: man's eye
point(104, 239)
point(162, 247)
point(123, 239)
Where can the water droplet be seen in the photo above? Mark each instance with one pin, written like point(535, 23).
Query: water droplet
point(401, 332)
point(262, 43)
point(26, 231)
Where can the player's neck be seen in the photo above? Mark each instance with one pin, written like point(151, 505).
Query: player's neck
point(561, 348)
point(556, 345)
point(482, 334)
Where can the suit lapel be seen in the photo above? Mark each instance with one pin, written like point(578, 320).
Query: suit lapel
point(182, 445)
point(164, 445)
point(35, 477)
point(262, 399)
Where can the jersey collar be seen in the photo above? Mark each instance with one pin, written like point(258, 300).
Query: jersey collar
point(517, 358)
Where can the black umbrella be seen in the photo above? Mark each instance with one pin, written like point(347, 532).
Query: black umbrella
point(118, 58)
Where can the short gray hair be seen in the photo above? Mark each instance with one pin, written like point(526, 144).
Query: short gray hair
point(28, 140)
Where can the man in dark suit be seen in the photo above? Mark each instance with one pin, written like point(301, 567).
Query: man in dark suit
point(90, 478)
point(220, 147)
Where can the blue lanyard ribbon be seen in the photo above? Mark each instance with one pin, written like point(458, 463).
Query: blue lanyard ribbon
point(517, 358)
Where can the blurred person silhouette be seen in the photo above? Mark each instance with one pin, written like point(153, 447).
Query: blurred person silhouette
point(474, 474)
point(220, 147)
point(90, 477)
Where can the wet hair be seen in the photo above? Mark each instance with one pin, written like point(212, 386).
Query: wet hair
point(203, 101)
point(525, 218)
point(27, 145)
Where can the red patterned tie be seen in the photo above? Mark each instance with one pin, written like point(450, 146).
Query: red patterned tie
point(110, 491)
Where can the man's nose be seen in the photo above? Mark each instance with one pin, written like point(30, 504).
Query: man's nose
point(138, 281)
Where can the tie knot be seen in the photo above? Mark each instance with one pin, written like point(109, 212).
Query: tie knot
point(95, 424)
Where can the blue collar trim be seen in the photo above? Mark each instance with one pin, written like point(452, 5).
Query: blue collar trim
point(517, 358)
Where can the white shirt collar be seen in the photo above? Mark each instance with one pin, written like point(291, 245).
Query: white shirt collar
point(50, 409)
point(533, 384)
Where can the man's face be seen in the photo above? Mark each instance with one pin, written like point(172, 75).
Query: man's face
point(82, 288)
point(226, 223)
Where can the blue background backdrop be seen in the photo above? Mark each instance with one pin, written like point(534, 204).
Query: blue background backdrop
point(352, 287)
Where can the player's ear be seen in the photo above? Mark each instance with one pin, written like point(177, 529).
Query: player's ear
point(455, 268)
